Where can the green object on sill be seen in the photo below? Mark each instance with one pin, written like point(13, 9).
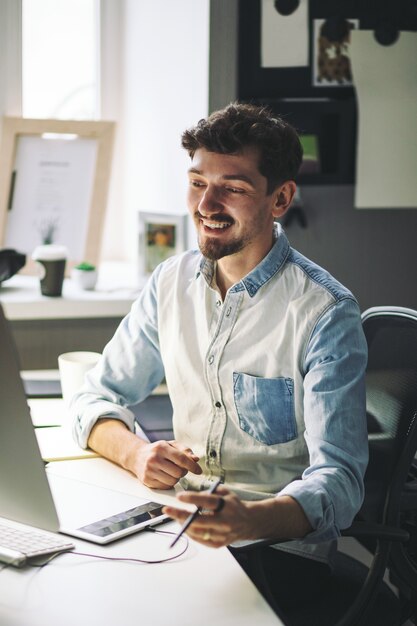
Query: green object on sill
point(85, 266)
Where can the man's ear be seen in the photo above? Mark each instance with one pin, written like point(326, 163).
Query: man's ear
point(283, 196)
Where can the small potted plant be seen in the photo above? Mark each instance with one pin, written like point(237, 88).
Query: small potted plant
point(85, 275)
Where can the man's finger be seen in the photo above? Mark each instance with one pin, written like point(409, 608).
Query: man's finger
point(183, 460)
point(186, 449)
point(203, 499)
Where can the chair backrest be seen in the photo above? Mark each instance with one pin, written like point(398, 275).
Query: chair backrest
point(391, 396)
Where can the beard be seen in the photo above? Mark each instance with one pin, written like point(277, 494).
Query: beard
point(214, 250)
point(211, 247)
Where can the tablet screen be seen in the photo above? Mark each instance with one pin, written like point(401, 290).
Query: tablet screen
point(126, 519)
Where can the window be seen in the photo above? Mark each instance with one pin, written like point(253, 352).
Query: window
point(100, 59)
point(60, 59)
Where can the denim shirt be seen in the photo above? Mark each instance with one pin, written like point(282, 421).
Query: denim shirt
point(267, 386)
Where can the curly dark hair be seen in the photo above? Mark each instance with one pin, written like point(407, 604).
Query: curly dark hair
point(238, 126)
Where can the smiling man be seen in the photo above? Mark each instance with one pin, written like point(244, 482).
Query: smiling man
point(264, 358)
point(233, 211)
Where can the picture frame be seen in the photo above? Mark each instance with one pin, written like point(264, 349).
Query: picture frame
point(54, 180)
point(161, 235)
point(331, 57)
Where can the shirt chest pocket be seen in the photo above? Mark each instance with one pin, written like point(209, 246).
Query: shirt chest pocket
point(265, 407)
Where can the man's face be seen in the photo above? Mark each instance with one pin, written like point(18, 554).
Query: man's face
point(227, 198)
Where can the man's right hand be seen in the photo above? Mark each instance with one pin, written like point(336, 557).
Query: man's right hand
point(159, 465)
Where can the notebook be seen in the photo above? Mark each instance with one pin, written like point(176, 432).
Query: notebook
point(26, 488)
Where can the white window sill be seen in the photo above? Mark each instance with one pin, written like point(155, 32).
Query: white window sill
point(117, 287)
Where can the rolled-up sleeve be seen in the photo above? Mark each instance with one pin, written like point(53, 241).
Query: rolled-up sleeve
point(331, 489)
point(130, 368)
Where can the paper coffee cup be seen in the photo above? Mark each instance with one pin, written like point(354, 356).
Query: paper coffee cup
point(51, 260)
point(72, 369)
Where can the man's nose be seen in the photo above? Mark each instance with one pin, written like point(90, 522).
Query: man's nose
point(210, 201)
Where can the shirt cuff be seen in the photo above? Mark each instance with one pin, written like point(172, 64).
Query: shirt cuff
point(83, 424)
point(318, 508)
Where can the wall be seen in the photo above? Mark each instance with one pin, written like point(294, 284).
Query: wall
point(10, 57)
point(166, 91)
point(372, 251)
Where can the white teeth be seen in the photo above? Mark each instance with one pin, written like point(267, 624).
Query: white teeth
point(218, 225)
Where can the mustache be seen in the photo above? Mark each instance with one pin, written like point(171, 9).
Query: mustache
point(216, 217)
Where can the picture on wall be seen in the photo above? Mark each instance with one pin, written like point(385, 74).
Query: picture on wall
point(331, 52)
point(161, 235)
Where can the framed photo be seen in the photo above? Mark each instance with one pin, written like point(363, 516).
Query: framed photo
point(331, 52)
point(161, 235)
point(54, 178)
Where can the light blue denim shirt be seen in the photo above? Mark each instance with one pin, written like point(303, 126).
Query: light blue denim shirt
point(267, 386)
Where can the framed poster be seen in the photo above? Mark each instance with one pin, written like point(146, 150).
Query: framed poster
point(54, 178)
point(161, 235)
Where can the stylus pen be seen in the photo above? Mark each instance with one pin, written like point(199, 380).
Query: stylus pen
point(192, 517)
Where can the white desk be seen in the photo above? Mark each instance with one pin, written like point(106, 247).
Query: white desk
point(205, 586)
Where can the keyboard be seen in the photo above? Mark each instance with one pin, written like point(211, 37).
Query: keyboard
point(18, 544)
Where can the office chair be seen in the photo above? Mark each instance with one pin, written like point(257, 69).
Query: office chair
point(387, 522)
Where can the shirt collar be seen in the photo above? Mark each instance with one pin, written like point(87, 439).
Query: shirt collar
point(267, 268)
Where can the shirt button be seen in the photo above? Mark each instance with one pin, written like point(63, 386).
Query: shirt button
point(211, 359)
point(218, 303)
point(229, 310)
point(213, 454)
point(218, 405)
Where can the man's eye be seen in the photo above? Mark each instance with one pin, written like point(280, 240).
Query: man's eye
point(234, 190)
point(196, 183)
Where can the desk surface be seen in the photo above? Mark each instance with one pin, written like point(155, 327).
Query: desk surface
point(117, 287)
point(204, 586)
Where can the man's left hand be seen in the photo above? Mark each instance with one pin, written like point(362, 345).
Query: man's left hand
point(224, 518)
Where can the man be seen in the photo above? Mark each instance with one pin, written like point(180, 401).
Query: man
point(263, 354)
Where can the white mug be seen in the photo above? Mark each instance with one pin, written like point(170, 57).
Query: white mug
point(72, 369)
